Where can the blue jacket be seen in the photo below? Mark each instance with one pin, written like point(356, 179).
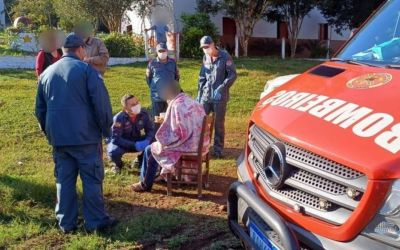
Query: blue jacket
point(125, 132)
point(72, 103)
point(214, 74)
point(159, 73)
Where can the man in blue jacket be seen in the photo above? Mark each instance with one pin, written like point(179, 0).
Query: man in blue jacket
point(160, 71)
point(217, 75)
point(132, 131)
point(74, 112)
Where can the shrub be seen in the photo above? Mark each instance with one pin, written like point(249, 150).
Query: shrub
point(317, 49)
point(194, 27)
point(123, 45)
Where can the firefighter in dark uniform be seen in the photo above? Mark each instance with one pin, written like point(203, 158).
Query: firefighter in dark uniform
point(74, 111)
point(132, 131)
point(161, 70)
point(217, 75)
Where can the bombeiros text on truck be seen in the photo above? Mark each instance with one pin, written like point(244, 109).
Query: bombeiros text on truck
point(321, 166)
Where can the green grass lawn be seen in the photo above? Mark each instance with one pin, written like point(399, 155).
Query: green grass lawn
point(148, 221)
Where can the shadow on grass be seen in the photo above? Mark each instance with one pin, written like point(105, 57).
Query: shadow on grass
point(232, 153)
point(18, 73)
point(30, 192)
point(173, 228)
point(140, 226)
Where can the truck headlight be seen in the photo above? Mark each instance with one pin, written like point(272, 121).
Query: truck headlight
point(385, 226)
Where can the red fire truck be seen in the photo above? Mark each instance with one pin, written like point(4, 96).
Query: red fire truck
point(321, 166)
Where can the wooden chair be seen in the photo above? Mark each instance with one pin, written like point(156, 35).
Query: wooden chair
point(197, 158)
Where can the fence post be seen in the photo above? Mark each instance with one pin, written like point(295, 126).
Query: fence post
point(236, 46)
point(146, 46)
point(283, 48)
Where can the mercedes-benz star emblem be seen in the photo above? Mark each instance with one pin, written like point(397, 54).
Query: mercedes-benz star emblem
point(275, 167)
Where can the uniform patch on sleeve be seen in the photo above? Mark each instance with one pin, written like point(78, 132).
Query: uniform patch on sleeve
point(229, 63)
point(117, 124)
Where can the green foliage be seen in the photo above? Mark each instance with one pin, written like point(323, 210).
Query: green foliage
point(196, 26)
point(110, 12)
point(41, 12)
point(78, 12)
point(123, 45)
point(347, 14)
point(317, 49)
point(208, 6)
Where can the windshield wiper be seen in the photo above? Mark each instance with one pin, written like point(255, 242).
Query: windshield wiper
point(392, 66)
point(335, 59)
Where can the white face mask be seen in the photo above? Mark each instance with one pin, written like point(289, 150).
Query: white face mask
point(207, 51)
point(136, 109)
point(162, 55)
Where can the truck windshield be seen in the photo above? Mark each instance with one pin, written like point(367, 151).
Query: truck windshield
point(378, 41)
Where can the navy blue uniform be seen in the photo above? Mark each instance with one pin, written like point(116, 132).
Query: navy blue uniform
point(74, 111)
point(157, 74)
point(125, 133)
point(218, 75)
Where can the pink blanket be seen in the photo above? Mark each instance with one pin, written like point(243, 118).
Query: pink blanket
point(179, 133)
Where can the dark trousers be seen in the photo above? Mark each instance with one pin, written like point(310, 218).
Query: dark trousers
point(149, 169)
point(158, 107)
point(85, 160)
point(115, 154)
point(219, 110)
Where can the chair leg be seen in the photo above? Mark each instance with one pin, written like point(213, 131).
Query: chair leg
point(179, 172)
point(207, 174)
point(200, 180)
point(169, 184)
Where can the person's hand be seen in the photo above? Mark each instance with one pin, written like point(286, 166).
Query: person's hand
point(217, 93)
point(86, 59)
point(141, 145)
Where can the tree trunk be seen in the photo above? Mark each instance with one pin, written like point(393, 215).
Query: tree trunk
point(245, 30)
point(245, 45)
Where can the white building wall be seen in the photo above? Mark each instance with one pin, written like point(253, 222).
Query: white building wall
point(265, 29)
point(309, 30)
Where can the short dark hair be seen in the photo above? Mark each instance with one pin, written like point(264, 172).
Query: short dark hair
point(70, 50)
point(125, 98)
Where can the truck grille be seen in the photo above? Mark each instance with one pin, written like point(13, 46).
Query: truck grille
point(317, 184)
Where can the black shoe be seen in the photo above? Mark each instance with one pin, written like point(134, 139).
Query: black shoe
point(218, 155)
point(105, 227)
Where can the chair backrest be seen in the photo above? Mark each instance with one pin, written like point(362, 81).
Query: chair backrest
point(206, 134)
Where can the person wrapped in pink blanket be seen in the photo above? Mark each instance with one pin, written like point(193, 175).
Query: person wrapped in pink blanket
point(179, 133)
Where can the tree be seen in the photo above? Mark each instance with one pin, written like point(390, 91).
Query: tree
point(347, 14)
point(68, 19)
point(292, 12)
point(246, 14)
point(41, 12)
point(110, 12)
point(208, 6)
point(143, 9)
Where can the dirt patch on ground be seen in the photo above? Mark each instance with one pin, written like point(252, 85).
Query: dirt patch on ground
point(205, 212)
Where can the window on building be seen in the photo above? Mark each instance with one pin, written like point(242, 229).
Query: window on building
point(323, 31)
point(282, 30)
